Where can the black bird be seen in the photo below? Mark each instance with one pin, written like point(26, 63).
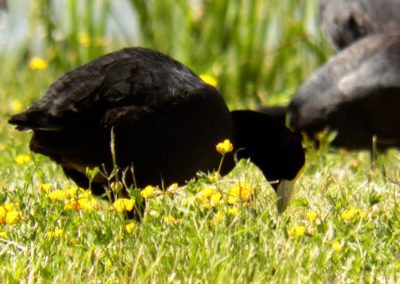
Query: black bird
point(156, 115)
point(346, 21)
point(356, 94)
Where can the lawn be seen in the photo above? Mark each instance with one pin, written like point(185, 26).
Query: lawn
point(343, 224)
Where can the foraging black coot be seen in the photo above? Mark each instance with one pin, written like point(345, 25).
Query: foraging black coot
point(356, 93)
point(346, 21)
point(156, 115)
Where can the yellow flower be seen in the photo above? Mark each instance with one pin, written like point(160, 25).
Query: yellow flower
point(55, 234)
point(130, 227)
point(234, 211)
point(218, 218)
point(57, 195)
point(172, 189)
point(11, 206)
point(84, 39)
point(296, 231)
point(22, 159)
point(150, 191)
point(124, 204)
point(13, 217)
point(87, 203)
point(224, 147)
point(312, 216)
point(3, 235)
point(336, 246)
point(3, 214)
point(45, 187)
point(16, 106)
point(242, 191)
point(205, 193)
point(215, 199)
point(353, 214)
point(38, 64)
point(72, 204)
point(169, 220)
point(85, 194)
point(209, 197)
point(209, 79)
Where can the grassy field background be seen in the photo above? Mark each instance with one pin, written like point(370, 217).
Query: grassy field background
point(342, 226)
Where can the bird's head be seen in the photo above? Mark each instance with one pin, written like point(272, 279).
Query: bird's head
point(275, 149)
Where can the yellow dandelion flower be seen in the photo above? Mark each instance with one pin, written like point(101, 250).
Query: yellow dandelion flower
point(233, 199)
point(11, 206)
point(130, 227)
point(224, 147)
point(234, 211)
point(209, 197)
point(353, 214)
point(3, 214)
point(170, 220)
point(57, 195)
point(71, 204)
point(16, 106)
point(240, 192)
point(150, 191)
point(85, 194)
point(84, 39)
point(312, 216)
point(3, 235)
point(38, 64)
point(55, 234)
point(210, 80)
point(213, 201)
point(124, 204)
point(45, 187)
point(172, 189)
point(22, 159)
point(88, 203)
point(206, 192)
point(336, 246)
point(218, 218)
point(13, 217)
point(296, 231)
point(216, 198)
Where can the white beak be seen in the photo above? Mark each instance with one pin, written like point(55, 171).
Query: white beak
point(284, 192)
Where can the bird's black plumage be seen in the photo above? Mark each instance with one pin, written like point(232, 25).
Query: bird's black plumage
point(356, 93)
point(345, 21)
point(164, 120)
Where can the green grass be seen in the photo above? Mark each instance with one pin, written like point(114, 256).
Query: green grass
point(255, 246)
point(252, 247)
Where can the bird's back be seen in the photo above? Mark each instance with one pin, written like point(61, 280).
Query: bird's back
point(354, 93)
